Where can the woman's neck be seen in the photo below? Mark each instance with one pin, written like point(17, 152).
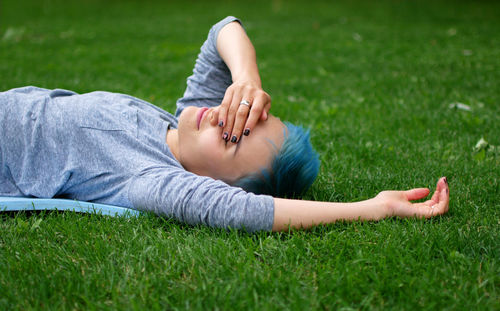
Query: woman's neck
point(172, 141)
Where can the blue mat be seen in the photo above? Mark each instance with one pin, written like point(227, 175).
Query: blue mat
point(13, 204)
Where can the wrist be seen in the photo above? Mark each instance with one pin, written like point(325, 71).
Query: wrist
point(381, 204)
point(247, 77)
point(372, 209)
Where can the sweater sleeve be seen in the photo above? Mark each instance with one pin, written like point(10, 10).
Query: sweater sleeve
point(193, 199)
point(211, 77)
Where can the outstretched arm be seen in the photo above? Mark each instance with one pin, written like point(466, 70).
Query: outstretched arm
point(305, 214)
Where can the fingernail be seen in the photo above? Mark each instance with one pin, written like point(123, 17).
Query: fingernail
point(445, 181)
point(225, 136)
point(234, 139)
point(246, 132)
point(221, 123)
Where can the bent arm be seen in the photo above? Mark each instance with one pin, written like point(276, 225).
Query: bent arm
point(225, 73)
point(211, 76)
point(305, 214)
point(238, 53)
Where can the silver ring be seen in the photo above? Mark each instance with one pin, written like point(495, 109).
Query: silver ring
point(245, 102)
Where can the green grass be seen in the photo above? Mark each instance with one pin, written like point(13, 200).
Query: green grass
point(373, 80)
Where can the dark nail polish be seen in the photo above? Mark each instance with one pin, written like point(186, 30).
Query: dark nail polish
point(221, 123)
point(225, 136)
point(246, 132)
point(445, 181)
point(234, 139)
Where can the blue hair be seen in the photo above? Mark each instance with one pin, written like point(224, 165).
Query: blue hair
point(293, 169)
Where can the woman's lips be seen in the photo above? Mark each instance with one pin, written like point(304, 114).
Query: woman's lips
point(201, 113)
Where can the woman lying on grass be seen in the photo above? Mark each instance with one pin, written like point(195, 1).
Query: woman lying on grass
point(116, 149)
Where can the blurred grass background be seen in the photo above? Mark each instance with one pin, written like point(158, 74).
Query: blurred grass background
point(382, 85)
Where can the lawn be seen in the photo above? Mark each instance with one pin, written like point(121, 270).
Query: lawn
point(396, 93)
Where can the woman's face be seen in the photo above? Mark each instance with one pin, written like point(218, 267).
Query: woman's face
point(203, 151)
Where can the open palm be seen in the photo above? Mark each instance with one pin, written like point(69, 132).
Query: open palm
point(398, 203)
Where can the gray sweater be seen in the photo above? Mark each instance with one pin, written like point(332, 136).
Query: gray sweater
point(110, 148)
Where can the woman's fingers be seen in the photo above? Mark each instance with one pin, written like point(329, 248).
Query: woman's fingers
point(417, 193)
point(239, 122)
point(230, 106)
point(231, 116)
point(444, 197)
point(265, 112)
point(234, 110)
point(239, 119)
point(440, 185)
point(223, 110)
point(260, 106)
point(439, 202)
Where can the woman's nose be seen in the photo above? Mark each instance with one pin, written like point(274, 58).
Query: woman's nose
point(214, 117)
